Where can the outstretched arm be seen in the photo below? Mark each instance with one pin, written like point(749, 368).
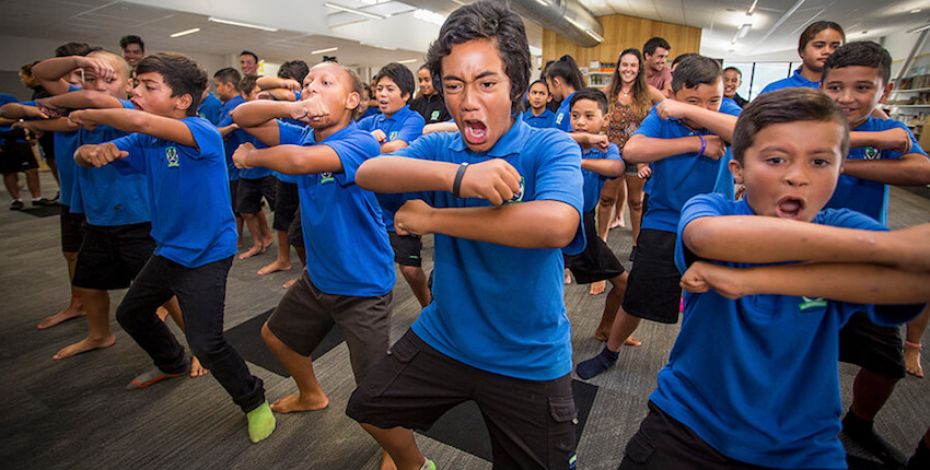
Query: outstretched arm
point(716, 122)
point(135, 121)
point(51, 72)
point(81, 99)
point(603, 166)
point(49, 125)
point(912, 169)
point(642, 149)
point(289, 159)
point(14, 111)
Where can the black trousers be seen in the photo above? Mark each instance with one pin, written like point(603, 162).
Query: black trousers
point(201, 293)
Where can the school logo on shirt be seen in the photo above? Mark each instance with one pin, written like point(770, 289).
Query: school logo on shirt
point(871, 153)
point(808, 303)
point(326, 177)
point(171, 155)
point(393, 135)
point(434, 115)
point(558, 118)
point(517, 198)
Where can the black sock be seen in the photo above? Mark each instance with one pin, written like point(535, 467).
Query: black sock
point(862, 432)
point(597, 364)
point(921, 458)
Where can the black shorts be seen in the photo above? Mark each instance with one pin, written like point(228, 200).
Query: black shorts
point(111, 257)
point(653, 291)
point(596, 262)
point(16, 157)
point(233, 194)
point(286, 203)
point(250, 192)
point(295, 232)
point(876, 348)
point(531, 424)
point(305, 315)
point(407, 249)
point(72, 229)
point(664, 443)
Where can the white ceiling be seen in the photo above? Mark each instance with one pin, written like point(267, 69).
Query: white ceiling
point(307, 25)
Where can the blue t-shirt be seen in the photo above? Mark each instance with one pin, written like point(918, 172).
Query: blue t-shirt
point(563, 117)
point(348, 252)
point(679, 178)
point(65, 144)
point(370, 111)
point(192, 219)
point(794, 81)
point(236, 138)
point(407, 125)
point(210, 109)
point(756, 377)
point(867, 196)
point(106, 197)
point(546, 119)
point(729, 106)
point(593, 182)
point(485, 311)
point(6, 98)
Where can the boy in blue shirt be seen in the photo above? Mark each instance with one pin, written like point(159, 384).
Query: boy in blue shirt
point(538, 97)
point(885, 152)
point(210, 107)
point(502, 199)
point(677, 139)
point(350, 272)
point(226, 82)
point(181, 159)
point(818, 40)
point(752, 378)
point(395, 128)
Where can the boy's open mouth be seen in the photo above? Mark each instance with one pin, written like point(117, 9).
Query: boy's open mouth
point(789, 207)
point(475, 132)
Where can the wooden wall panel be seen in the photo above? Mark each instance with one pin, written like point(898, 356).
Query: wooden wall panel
point(621, 32)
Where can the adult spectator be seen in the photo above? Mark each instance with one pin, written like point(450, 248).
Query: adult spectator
point(656, 50)
point(248, 63)
point(133, 49)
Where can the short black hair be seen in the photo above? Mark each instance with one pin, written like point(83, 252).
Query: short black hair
point(566, 69)
point(400, 75)
point(681, 57)
point(814, 29)
point(654, 43)
point(695, 70)
point(228, 75)
point(180, 73)
point(592, 94)
point(541, 81)
point(734, 69)
point(783, 106)
point(131, 39)
point(486, 20)
point(249, 53)
point(72, 48)
point(860, 53)
point(295, 70)
point(247, 83)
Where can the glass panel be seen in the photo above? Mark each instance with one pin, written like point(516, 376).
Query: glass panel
point(768, 72)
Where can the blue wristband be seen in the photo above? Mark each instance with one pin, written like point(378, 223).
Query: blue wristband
point(703, 145)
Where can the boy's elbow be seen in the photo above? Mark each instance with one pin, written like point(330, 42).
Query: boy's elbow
point(363, 176)
point(698, 238)
point(140, 122)
point(563, 228)
point(633, 151)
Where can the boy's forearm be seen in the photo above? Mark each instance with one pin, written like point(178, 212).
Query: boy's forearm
point(758, 239)
point(853, 283)
point(269, 83)
point(405, 175)
point(13, 111)
point(82, 99)
point(256, 113)
point(392, 146)
point(603, 166)
point(52, 125)
point(534, 224)
point(50, 73)
point(716, 122)
point(910, 170)
point(642, 149)
point(296, 159)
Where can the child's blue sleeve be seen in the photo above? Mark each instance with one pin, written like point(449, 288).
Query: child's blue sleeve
point(353, 150)
point(702, 205)
point(412, 128)
point(289, 134)
point(367, 124)
point(420, 149)
point(205, 135)
point(135, 162)
point(558, 178)
point(651, 126)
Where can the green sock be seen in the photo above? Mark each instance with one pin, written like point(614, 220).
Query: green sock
point(261, 423)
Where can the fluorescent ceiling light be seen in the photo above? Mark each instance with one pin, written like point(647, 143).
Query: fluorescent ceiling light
point(379, 47)
point(323, 51)
point(752, 8)
point(919, 28)
point(916, 10)
point(407, 61)
point(743, 31)
point(429, 17)
point(354, 11)
point(185, 32)
point(244, 25)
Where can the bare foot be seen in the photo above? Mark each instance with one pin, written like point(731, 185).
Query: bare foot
point(287, 284)
point(597, 288)
point(631, 341)
point(197, 369)
point(274, 266)
point(912, 359)
point(387, 463)
point(616, 223)
point(568, 278)
point(293, 403)
point(59, 317)
point(255, 250)
point(84, 346)
point(266, 243)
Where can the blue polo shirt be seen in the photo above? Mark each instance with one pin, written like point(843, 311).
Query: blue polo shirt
point(729, 106)
point(867, 196)
point(563, 117)
point(756, 377)
point(679, 178)
point(546, 119)
point(210, 109)
point(486, 312)
point(348, 252)
point(370, 111)
point(192, 219)
point(407, 125)
point(65, 144)
point(236, 138)
point(106, 197)
point(794, 81)
point(593, 182)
